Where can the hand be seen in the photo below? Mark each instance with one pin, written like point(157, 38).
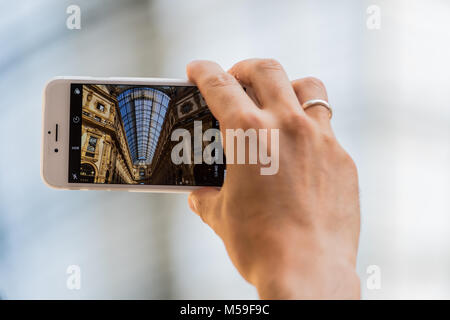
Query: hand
point(294, 234)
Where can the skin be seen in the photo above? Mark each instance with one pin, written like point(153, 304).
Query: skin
point(293, 235)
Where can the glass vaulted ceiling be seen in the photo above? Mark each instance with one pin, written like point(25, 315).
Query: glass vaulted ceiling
point(142, 111)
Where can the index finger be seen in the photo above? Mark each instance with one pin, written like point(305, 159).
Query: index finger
point(222, 92)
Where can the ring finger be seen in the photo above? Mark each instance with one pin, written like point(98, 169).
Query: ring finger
point(308, 89)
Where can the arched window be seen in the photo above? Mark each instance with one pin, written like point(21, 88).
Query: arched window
point(87, 173)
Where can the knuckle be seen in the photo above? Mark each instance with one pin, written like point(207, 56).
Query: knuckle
point(202, 215)
point(211, 218)
point(298, 122)
point(349, 162)
point(313, 82)
point(220, 80)
point(248, 119)
point(329, 140)
point(268, 65)
point(204, 211)
point(344, 159)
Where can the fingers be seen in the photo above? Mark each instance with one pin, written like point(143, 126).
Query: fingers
point(269, 82)
point(203, 203)
point(222, 92)
point(312, 88)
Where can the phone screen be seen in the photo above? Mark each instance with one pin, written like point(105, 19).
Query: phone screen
point(134, 134)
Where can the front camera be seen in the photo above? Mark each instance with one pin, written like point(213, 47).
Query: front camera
point(56, 149)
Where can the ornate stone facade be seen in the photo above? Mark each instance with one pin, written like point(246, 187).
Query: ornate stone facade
point(104, 151)
point(126, 135)
point(186, 106)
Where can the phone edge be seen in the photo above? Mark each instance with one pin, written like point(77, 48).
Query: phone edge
point(114, 187)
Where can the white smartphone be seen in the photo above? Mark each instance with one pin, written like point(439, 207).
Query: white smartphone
point(116, 134)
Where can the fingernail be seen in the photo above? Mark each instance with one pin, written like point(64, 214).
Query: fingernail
point(193, 63)
point(192, 203)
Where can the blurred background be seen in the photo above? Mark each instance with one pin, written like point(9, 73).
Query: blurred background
point(389, 88)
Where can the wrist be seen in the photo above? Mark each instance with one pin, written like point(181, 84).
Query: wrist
point(331, 283)
point(310, 276)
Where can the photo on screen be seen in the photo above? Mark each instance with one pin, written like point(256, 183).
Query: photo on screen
point(125, 135)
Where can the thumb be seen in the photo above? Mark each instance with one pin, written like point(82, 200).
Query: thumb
point(202, 202)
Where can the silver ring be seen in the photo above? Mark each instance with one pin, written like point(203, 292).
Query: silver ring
point(317, 102)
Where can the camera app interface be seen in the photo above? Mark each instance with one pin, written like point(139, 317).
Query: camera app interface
point(128, 134)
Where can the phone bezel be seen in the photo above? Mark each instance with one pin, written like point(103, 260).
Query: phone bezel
point(56, 110)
